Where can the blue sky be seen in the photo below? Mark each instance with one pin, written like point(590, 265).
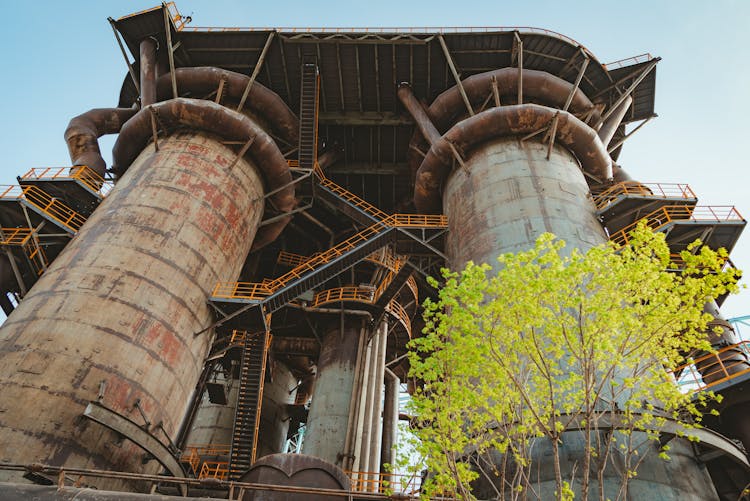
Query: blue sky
point(61, 59)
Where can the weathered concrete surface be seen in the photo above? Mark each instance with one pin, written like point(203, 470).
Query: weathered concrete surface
point(511, 195)
point(121, 304)
point(278, 392)
point(213, 423)
point(328, 420)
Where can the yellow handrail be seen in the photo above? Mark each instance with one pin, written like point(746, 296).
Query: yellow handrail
point(50, 206)
point(373, 481)
point(82, 173)
point(656, 190)
point(675, 213)
point(715, 368)
point(214, 469)
point(258, 291)
point(24, 238)
point(366, 295)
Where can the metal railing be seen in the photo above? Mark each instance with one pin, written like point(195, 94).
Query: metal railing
point(241, 290)
point(640, 58)
point(258, 291)
point(214, 469)
point(678, 213)
point(80, 173)
point(354, 199)
point(712, 369)
point(370, 481)
point(362, 295)
point(25, 238)
point(395, 308)
point(193, 453)
point(387, 259)
point(48, 205)
point(656, 190)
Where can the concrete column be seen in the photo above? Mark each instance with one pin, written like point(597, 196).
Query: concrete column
point(362, 407)
point(213, 423)
point(274, 418)
point(328, 419)
point(512, 194)
point(376, 434)
point(121, 305)
point(390, 418)
point(367, 416)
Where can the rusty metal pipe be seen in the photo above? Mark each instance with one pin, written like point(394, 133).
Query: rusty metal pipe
point(230, 125)
point(261, 100)
point(148, 71)
point(84, 131)
point(417, 111)
point(609, 127)
point(539, 86)
point(514, 120)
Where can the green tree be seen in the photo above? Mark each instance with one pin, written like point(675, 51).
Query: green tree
point(554, 341)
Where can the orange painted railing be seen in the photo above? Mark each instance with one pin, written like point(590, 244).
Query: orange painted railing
point(24, 238)
point(656, 190)
point(241, 290)
point(258, 291)
point(675, 213)
point(362, 295)
point(724, 365)
point(193, 453)
point(396, 309)
point(214, 469)
point(50, 206)
point(81, 173)
point(352, 293)
point(387, 259)
point(15, 236)
point(369, 481)
point(354, 199)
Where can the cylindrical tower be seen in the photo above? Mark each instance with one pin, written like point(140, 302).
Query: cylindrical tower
point(330, 414)
point(509, 185)
point(122, 304)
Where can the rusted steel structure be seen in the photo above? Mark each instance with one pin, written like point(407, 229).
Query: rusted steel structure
point(251, 264)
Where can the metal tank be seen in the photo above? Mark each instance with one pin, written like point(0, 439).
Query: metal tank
point(329, 417)
point(501, 188)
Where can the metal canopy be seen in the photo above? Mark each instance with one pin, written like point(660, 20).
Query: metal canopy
point(360, 69)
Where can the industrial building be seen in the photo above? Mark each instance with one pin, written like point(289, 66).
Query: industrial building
point(224, 311)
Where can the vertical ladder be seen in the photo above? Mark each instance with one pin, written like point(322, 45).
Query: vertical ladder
point(308, 115)
point(249, 400)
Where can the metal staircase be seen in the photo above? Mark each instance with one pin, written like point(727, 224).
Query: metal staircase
point(249, 401)
point(273, 294)
point(308, 116)
point(392, 285)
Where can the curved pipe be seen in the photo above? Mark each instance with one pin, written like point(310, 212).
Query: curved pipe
point(211, 117)
point(263, 101)
point(84, 131)
point(541, 86)
point(514, 120)
point(417, 111)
